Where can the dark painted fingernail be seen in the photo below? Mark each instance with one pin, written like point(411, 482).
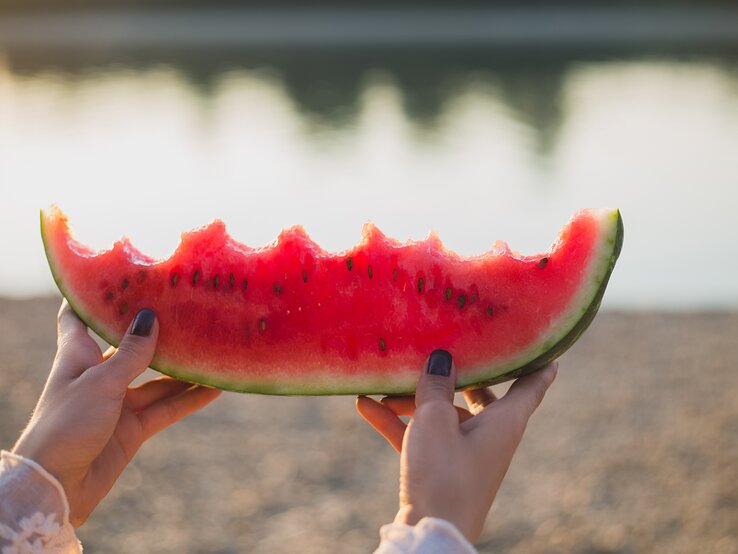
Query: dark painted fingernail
point(439, 363)
point(143, 322)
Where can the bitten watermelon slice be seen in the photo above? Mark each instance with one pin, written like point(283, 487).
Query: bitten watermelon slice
point(291, 318)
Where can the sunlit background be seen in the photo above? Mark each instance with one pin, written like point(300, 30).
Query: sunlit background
point(480, 120)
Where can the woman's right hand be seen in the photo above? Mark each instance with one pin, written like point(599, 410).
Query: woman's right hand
point(453, 461)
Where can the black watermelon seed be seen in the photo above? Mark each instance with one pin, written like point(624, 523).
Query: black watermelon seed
point(245, 284)
point(474, 296)
point(277, 288)
point(109, 296)
point(232, 280)
point(382, 344)
point(394, 274)
point(123, 308)
point(449, 293)
point(461, 300)
point(124, 284)
point(304, 276)
point(216, 281)
point(370, 272)
point(421, 284)
point(350, 263)
point(195, 276)
point(490, 310)
point(262, 325)
point(542, 263)
point(175, 278)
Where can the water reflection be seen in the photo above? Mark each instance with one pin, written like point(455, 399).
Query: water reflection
point(467, 143)
point(325, 86)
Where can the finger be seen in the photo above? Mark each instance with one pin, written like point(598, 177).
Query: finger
point(500, 427)
point(77, 350)
point(527, 392)
point(463, 413)
point(109, 352)
point(400, 405)
point(383, 420)
point(165, 412)
point(67, 322)
point(142, 396)
point(134, 353)
point(478, 399)
point(436, 383)
point(405, 406)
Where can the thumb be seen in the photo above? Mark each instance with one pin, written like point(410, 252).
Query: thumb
point(437, 381)
point(135, 351)
point(527, 392)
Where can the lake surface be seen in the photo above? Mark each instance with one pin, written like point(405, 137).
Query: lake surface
point(478, 142)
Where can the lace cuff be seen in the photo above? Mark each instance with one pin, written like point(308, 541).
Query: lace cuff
point(34, 512)
point(431, 535)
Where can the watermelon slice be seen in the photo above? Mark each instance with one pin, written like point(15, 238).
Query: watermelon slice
point(291, 318)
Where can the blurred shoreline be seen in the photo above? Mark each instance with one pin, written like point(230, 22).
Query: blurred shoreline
point(515, 27)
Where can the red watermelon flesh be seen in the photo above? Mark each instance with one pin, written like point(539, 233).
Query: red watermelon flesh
point(291, 318)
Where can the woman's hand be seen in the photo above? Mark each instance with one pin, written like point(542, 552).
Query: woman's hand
point(453, 460)
point(89, 423)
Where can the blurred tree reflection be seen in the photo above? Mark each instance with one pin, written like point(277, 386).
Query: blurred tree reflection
point(326, 84)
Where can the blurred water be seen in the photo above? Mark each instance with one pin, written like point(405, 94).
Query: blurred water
point(476, 145)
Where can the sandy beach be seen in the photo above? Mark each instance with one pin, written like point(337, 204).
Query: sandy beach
point(634, 450)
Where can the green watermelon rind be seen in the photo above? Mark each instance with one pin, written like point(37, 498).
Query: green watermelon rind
point(586, 316)
point(570, 327)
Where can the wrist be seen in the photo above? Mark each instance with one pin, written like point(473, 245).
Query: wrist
point(410, 515)
point(25, 447)
point(30, 446)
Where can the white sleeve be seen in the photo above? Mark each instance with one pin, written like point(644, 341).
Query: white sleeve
point(34, 512)
point(429, 536)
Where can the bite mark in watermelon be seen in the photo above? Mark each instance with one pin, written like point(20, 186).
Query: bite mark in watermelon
point(291, 318)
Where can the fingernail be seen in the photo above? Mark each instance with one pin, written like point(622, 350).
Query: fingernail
point(143, 322)
point(439, 363)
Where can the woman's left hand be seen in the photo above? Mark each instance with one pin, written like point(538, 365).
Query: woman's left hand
point(89, 423)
